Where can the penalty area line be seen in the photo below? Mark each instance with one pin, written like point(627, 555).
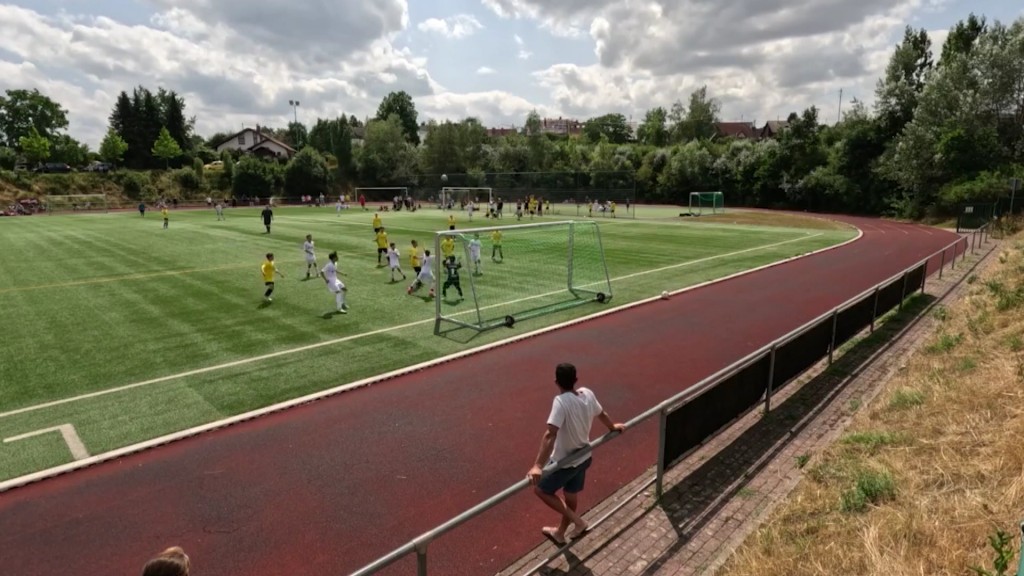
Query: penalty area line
point(332, 342)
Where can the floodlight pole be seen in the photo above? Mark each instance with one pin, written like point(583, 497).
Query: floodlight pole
point(295, 113)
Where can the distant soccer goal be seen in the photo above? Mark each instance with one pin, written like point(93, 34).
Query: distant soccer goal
point(507, 274)
point(455, 196)
point(380, 193)
point(706, 203)
point(78, 203)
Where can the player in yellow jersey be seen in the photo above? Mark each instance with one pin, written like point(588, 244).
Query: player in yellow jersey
point(165, 214)
point(451, 221)
point(611, 208)
point(377, 224)
point(414, 256)
point(496, 254)
point(269, 269)
point(447, 248)
point(382, 246)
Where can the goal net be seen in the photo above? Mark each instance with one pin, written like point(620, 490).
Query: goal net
point(707, 203)
point(77, 203)
point(453, 198)
point(507, 274)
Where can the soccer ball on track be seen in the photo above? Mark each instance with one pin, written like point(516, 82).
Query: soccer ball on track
point(664, 295)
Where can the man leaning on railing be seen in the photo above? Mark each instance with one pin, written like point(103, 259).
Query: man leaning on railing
point(567, 442)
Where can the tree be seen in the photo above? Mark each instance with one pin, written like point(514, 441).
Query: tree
point(298, 136)
point(306, 173)
point(962, 38)
point(400, 104)
point(165, 147)
point(35, 146)
point(24, 110)
point(612, 127)
point(334, 137)
point(896, 94)
point(64, 148)
point(653, 130)
point(113, 147)
point(252, 177)
point(699, 121)
point(385, 158)
point(138, 118)
point(172, 116)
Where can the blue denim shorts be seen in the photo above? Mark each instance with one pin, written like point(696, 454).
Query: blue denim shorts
point(569, 479)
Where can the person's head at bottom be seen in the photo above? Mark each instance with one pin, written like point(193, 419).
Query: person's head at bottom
point(170, 562)
point(565, 376)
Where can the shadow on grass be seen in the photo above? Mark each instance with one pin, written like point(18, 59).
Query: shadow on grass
point(466, 334)
point(264, 304)
point(692, 503)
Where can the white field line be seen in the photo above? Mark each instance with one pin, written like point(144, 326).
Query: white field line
point(308, 347)
point(138, 447)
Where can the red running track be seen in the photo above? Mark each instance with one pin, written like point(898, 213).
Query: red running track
point(328, 487)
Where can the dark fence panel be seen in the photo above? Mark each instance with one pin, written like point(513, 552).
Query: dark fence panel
point(889, 297)
point(915, 278)
point(698, 420)
point(854, 319)
point(800, 353)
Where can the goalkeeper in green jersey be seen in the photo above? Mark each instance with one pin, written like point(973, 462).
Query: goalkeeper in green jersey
point(451, 268)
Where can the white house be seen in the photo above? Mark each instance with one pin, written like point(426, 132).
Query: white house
point(255, 141)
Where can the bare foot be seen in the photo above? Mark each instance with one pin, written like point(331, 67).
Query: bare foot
point(552, 533)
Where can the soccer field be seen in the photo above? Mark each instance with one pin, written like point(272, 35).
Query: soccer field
point(127, 332)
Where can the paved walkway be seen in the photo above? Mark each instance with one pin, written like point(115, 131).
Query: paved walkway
point(722, 492)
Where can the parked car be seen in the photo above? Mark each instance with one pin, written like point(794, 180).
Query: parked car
point(215, 165)
point(98, 167)
point(53, 167)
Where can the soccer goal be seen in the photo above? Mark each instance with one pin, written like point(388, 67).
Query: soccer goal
point(706, 203)
point(453, 196)
point(512, 273)
point(381, 193)
point(77, 203)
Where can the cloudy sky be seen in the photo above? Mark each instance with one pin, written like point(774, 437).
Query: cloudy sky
point(239, 62)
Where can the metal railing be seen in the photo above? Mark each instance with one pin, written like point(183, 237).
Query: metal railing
point(420, 544)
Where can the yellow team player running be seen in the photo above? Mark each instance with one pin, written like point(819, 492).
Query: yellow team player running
point(447, 248)
point(166, 215)
point(382, 246)
point(269, 269)
point(414, 257)
point(451, 221)
point(496, 254)
point(377, 223)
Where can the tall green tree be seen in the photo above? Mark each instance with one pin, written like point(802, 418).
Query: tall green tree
point(165, 148)
point(897, 92)
point(298, 135)
point(400, 104)
point(611, 127)
point(698, 122)
point(334, 137)
point(172, 117)
point(34, 146)
point(306, 173)
point(386, 158)
point(24, 110)
point(113, 147)
point(653, 130)
point(962, 38)
point(64, 148)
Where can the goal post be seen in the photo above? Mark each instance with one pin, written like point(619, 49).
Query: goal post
point(508, 274)
point(707, 202)
point(456, 194)
point(77, 203)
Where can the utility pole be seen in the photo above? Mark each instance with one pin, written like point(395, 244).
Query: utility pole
point(839, 117)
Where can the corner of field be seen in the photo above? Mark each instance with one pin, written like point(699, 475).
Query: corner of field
point(323, 394)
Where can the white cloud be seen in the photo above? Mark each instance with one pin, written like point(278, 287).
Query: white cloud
point(458, 26)
point(523, 53)
point(485, 70)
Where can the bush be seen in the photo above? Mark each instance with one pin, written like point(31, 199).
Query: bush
point(187, 179)
point(253, 177)
point(131, 182)
point(306, 174)
point(197, 167)
point(8, 158)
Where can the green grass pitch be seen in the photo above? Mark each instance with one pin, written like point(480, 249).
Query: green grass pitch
point(173, 319)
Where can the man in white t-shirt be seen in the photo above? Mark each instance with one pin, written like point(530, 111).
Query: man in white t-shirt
point(425, 276)
point(566, 441)
point(309, 251)
point(334, 284)
point(474, 254)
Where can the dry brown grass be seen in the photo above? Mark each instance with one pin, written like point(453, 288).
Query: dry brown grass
point(947, 430)
point(770, 218)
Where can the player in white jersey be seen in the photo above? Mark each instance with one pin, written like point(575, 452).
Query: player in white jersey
point(337, 207)
point(219, 208)
point(334, 284)
point(309, 252)
point(469, 209)
point(394, 262)
point(474, 254)
point(426, 275)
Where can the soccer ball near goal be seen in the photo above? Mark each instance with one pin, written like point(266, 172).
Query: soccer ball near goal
point(444, 177)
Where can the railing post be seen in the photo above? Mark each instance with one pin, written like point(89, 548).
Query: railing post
point(942, 263)
point(421, 559)
point(874, 310)
point(832, 344)
point(659, 481)
point(903, 295)
point(924, 277)
point(771, 381)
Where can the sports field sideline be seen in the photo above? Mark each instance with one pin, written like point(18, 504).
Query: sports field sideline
point(127, 332)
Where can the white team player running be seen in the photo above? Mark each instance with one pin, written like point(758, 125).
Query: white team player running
point(334, 284)
point(474, 254)
point(309, 251)
point(394, 262)
point(426, 275)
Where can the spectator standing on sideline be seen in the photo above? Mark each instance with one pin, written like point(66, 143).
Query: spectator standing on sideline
point(568, 432)
point(170, 562)
point(268, 217)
